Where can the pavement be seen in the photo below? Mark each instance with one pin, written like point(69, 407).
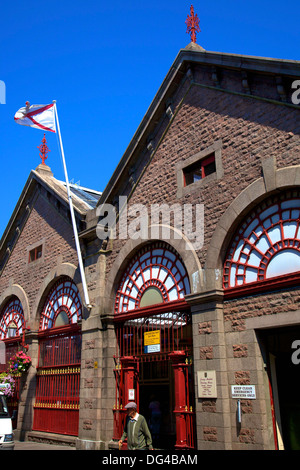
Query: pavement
point(30, 445)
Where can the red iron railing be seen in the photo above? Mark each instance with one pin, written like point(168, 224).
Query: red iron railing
point(56, 408)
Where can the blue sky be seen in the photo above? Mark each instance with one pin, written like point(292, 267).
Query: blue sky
point(103, 63)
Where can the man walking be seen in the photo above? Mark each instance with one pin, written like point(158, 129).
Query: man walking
point(136, 430)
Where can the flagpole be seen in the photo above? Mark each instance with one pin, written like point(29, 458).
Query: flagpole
point(84, 284)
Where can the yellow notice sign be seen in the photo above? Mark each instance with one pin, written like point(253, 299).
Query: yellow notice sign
point(151, 337)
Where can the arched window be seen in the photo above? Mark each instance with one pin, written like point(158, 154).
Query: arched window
point(12, 319)
point(63, 305)
point(267, 244)
point(156, 274)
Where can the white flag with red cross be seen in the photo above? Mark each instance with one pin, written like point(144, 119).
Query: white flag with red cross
point(45, 117)
point(40, 116)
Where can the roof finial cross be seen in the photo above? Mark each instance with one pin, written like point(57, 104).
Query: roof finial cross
point(192, 23)
point(44, 150)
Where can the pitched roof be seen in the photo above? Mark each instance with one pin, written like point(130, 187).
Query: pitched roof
point(83, 200)
point(191, 54)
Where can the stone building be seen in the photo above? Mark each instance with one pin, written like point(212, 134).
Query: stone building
point(194, 291)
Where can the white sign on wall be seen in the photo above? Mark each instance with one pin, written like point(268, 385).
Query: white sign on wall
point(131, 394)
point(207, 384)
point(243, 391)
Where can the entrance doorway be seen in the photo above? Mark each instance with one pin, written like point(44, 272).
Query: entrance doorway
point(284, 374)
point(153, 359)
point(157, 402)
point(154, 366)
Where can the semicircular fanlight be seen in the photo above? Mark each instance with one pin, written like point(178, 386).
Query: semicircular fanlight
point(156, 274)
point(12, 319)
point(267, 244)
point(63, 305)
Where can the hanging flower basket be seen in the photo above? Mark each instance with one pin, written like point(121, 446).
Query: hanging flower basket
point(19, 363)
point(7, 384)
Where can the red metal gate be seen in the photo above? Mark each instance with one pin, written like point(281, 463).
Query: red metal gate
point(56, 408)
point(172, 342)
point(126, 374)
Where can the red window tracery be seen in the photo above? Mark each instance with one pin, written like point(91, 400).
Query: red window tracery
point(63, 303)
point(267, 244)
point(157, 267)
point(12, 319)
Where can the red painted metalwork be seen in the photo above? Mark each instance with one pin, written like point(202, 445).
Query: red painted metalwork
point(64, 298)
point(126, 373)
point(61, 346)
point(12, 315)
point(12, 333)
point(192, 23)
point(157, 266)
point(25, 346)
point(276, 283)
point(56, 407)
point(174, 328)
point(44, 150)
point(272, 228)
point(183, 409)
point(199, 170)
point(128, 365)
point(176, 305)
point(174, 332)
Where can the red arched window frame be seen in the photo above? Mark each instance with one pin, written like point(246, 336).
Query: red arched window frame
point(12, 314)
point(266, 248)
point(158, 266)
point(64, 298)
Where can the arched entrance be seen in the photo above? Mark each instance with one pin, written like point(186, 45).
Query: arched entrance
point(264, 257)
point(154, 346)
point(56, 408)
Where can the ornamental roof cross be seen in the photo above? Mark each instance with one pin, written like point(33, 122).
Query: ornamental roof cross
point(192, 23)
point(44, 150)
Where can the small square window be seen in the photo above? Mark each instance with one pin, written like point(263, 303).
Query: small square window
point(35, 253)
point(199, 170)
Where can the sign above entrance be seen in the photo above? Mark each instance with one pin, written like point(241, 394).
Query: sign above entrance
point(152, 341)
point(243, 391)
